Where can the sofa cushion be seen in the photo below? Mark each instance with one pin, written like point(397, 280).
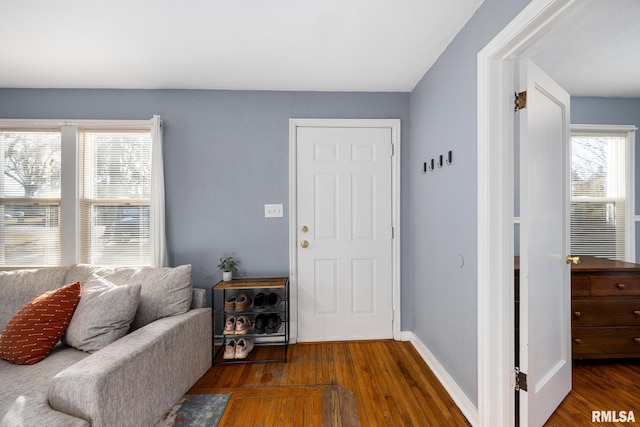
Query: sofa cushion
point(38, 326)
point(24, 393)
point(18, 287)
point(165, 291)
point(104, 314)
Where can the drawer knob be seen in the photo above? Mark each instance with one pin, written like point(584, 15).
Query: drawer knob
point(577, 314)
point(636, 312)
point(637, 339)
point(620, 286)
point(577, 340)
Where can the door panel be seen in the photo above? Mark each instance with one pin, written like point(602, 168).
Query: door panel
point(344, 198)
point(545, 288)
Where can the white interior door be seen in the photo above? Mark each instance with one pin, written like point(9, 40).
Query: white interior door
point(545, 278)
point(344, 232)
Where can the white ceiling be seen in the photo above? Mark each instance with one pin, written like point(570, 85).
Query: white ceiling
point(594, 50)
point(325, 45)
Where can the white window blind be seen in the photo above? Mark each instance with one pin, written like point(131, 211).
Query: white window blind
point(601, 196)
point(30, 197)
point(115, 197)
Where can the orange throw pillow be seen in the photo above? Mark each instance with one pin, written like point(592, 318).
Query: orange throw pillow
point(34, 330)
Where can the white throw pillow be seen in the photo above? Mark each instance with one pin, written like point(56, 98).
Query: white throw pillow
point(103, 315)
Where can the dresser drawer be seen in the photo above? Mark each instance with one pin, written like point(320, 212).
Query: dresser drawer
point(605, 342)
point(606, 286)
point(579, 285)
point(605, 312)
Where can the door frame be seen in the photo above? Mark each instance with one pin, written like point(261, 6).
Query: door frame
point(394, 125)
point(496, 88)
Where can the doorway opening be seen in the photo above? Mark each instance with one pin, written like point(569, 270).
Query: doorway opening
point(496, 376)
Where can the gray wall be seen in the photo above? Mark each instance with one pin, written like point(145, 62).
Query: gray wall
point(443, 203)
point(612, 111)
point(226, 155)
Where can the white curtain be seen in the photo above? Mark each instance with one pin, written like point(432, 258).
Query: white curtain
point(159, 256)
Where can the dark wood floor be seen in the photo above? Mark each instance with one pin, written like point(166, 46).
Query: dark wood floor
point(372, 383)
point(386, 383)
point(600, 386)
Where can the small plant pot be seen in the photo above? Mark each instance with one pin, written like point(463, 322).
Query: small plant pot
point(227, 276)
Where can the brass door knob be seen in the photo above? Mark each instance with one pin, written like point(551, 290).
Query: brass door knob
point(573, 259)
point(304, 244)
point(304, 229)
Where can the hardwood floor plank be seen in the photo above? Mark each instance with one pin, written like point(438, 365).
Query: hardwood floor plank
point(369, 383)
point(391, 386)
point(600, 385)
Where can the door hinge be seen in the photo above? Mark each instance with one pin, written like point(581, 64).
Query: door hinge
point(521, 380)
point(393, 149)
point(393, 232)
point(521, 101)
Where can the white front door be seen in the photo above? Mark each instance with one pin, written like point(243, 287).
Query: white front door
point(545, 278)
point(344, 233)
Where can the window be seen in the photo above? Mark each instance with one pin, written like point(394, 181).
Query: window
point(115, 197)
point(30, 197)
point(81, 192)
point(602, 202)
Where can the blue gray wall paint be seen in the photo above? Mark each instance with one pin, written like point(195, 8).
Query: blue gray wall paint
point(443, 203)
point(612, 111)
point(226, 155)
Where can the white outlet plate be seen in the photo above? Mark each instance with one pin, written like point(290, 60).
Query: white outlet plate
point(273, 211)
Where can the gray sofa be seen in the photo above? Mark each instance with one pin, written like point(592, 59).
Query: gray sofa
point(132, 381)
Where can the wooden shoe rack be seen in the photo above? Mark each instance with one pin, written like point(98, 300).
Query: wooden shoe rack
point(269, 346)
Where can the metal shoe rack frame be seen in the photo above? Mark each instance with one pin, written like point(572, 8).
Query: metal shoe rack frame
point(251, 287)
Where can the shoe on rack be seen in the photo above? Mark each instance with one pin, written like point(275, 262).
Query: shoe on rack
point(230, 303)
point(259, 301)
point(243, 324)
point(230, 325)
point(243, 348)
point(273, 300)
point(260, 325)
point(242, 302)
point(230, 350)
point(273, 323)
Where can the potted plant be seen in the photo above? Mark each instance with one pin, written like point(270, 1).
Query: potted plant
point(227, 265)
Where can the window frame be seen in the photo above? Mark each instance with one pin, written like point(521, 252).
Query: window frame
point(70, 195)
point(627, 132)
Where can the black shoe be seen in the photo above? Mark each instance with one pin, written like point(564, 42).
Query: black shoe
point(273, 300)
point(260, 324)
point(259, 301)
point(273, 323)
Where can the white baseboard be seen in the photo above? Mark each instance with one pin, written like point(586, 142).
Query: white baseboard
point(459, 398)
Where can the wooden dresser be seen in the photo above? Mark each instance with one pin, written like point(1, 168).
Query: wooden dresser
point(605, 308)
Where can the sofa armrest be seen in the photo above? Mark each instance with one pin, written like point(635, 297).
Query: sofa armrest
point(199, 298)
point(136, 379)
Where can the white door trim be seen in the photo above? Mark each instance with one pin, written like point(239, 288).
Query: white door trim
point(495, 207)
point(394, 125)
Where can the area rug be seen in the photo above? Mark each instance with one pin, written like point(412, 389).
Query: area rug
point(196, 410)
